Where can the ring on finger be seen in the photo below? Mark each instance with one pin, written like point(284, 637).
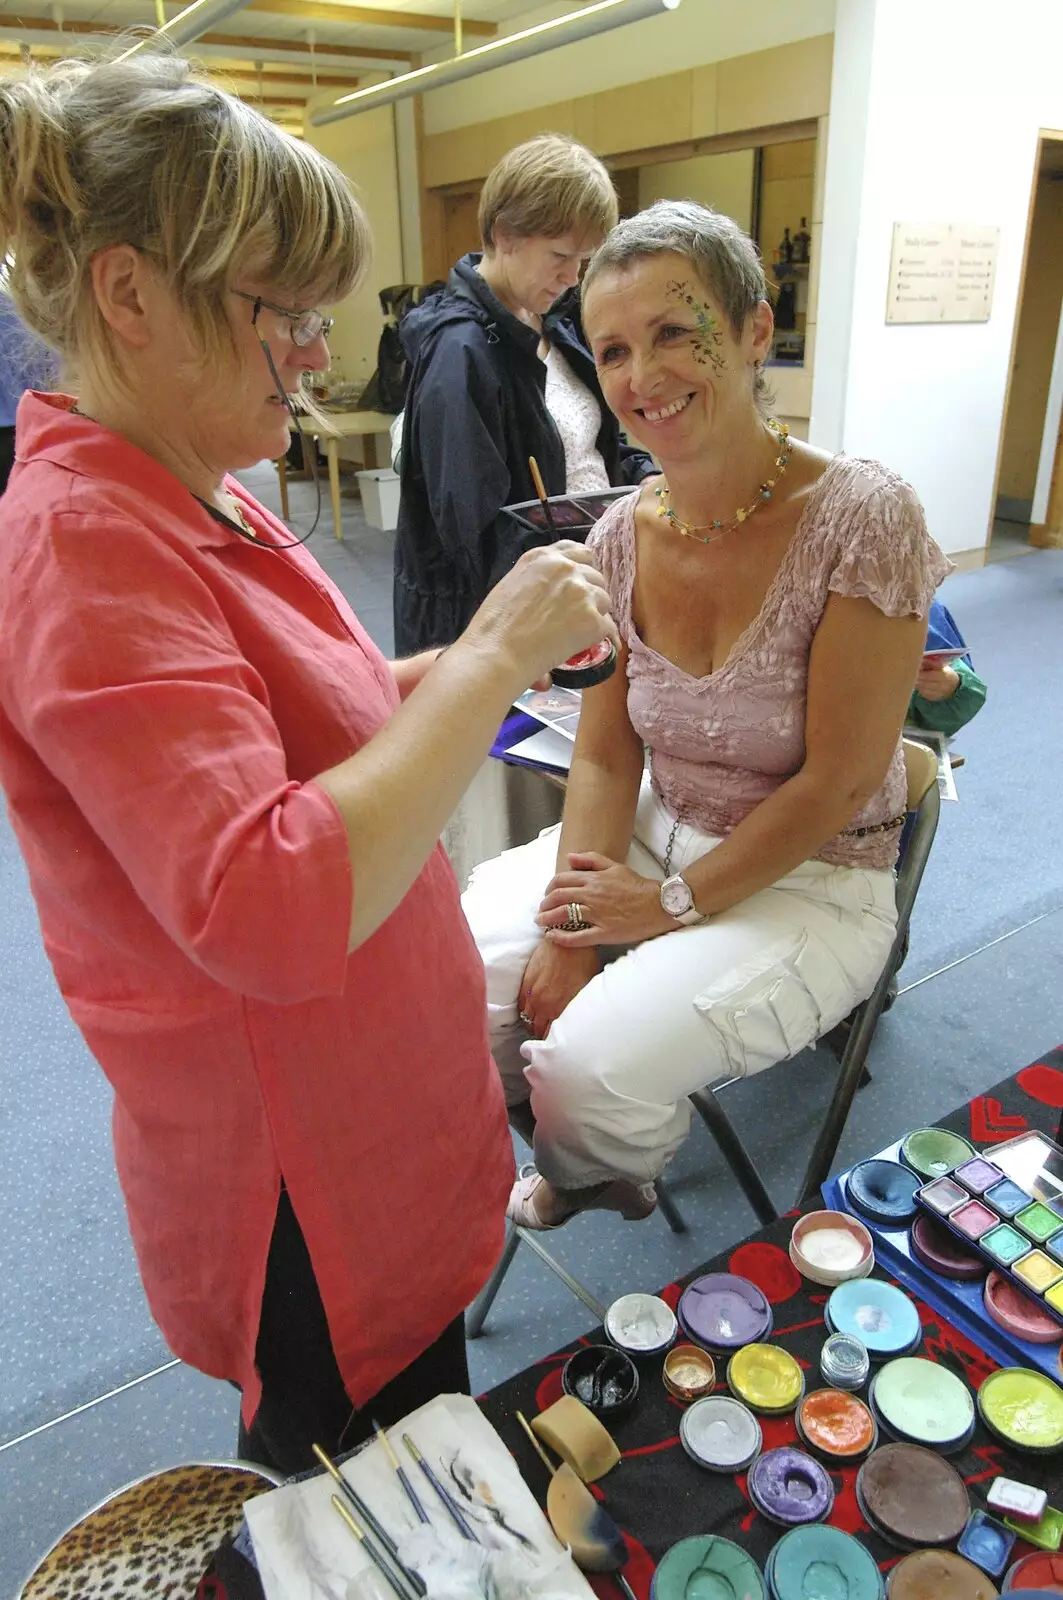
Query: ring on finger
point(524, 1017)
point(575, 922)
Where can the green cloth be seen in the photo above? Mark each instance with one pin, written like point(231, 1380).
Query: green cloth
point(948, 716)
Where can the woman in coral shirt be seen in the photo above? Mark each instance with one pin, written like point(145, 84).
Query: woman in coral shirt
point(228, 801)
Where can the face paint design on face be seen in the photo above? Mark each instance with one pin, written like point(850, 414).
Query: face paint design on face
point(708, 340)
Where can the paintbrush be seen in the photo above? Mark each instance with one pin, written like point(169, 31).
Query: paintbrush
point(579, 1521)
point(400, 1472)
point(446, 1500)
point(540, 489)
point(355, 1527)
point(372, 1523)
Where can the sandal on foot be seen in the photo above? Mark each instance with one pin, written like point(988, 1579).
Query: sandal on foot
point(633, 1201)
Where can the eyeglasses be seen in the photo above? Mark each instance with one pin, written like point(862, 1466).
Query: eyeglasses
point(306, 326)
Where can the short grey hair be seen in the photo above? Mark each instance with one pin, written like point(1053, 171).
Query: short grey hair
point(721, 254)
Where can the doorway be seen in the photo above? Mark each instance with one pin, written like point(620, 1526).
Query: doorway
point(1029, 503)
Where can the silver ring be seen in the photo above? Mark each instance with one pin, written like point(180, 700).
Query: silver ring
point(524, 1017)
point(575, 922)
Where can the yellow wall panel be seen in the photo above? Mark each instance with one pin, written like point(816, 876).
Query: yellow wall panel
point(786, 84)
point(704, 93)
point(643, 115)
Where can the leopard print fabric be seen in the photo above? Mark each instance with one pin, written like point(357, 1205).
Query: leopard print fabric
point(153, 1539)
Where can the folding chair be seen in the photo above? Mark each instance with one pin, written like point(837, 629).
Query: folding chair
point(923, 805)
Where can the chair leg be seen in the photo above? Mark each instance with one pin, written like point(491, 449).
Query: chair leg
point(735, 1154)
point(668, 1208)
point(850, 1078)
point(476, 1315)
point(572, 1284)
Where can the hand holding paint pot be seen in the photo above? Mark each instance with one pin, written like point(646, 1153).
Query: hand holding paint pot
point(586, 667)
point(552, 603)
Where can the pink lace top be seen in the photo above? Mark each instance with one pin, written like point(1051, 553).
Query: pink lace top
point(720, 745)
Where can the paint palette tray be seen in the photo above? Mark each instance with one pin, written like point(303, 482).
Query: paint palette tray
point(1035, 1165)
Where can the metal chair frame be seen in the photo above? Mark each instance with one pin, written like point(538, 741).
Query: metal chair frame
point(918, 838)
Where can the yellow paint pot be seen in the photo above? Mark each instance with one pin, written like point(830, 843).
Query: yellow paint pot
point(1024, 1408)
point(766, 1378)
point(1038, 1271)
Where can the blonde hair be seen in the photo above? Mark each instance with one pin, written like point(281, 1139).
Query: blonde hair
point(547, 187)
point(147, 153)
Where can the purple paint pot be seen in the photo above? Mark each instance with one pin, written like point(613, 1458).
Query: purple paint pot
point(790, 1488)
point(978, 1175)
point(724, 1312)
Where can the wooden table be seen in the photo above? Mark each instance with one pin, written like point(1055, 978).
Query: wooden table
point(367, 425)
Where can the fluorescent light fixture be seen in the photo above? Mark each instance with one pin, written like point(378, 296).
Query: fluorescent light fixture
point(199, 17)
point(592, 19)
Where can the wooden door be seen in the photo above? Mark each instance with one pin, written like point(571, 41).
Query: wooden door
point(461, 231)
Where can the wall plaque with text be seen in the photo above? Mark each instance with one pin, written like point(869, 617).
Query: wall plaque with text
point(942, 272)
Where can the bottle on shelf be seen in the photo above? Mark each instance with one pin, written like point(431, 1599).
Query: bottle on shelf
point(786, 249)
point(802, 243)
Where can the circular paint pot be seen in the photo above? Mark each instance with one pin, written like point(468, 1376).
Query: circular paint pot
point(844, 1362)
point(588, 667)
point(932, 1152)
point(642, 1325)
point(721, 1433)
point(835, 1425)
point(766, 1378)
point(912, 1496)
point(920, 1402)
point(604, 1379)
point(883, 1192)
point(1039, 1571)
point(830, 1247)
point(1023, 1408)
point(941, 1251)
point(724, 1312)
point(789, 1487)
point(707, 1567)
point(879, 1314)
point(819, 1560)
point(938, 1575)
point(689, 1372)
point(1019, 1313)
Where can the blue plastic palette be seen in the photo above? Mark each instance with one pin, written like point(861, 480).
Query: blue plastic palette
point(961, 1302)
point(878, 1313)
point(987, 1543)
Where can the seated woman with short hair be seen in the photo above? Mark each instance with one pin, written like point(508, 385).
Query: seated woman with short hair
point(772, 604)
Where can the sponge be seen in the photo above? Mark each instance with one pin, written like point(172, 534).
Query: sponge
point(577, 1436)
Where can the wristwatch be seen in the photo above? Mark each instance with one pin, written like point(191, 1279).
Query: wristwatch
point(677, 899)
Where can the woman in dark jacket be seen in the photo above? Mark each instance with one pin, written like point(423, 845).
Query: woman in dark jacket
point(498, 373)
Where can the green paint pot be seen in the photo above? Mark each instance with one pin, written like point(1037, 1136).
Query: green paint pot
point(932, 1152)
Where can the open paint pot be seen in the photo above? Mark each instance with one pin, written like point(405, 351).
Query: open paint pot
point(978, 1175)
point(707, 1567)
point(1008, 1199)
point(836, 1426)
point(943, 1196)
point(912, 1497)
point(642, 1325)
point(790, 1488)
point(604, 1379)
point(1019, 1313)
point(766, 1378)
point(724, 1312)
point(844, 1362)
point(1044, 1534)
point(938, 1575)
point(689, 1372)
point(932, 1152)
point(1036, 1571)
point(588, 667)
point(883, 1192)
point(942, 1252)
point(987, 1543)
point(721, 1434)
point(807, 1560)
point(1023, 1408)
point(830, 1247)
point(879, 1314)
point(919, 1402)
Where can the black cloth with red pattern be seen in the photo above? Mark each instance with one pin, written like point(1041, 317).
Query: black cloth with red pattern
point(658, 1495)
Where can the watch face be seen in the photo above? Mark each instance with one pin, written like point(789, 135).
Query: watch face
point(676, 897)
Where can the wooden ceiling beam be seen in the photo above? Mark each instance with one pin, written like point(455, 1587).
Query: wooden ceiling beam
point(371, 17)
point(26, 26)
point(320, 80)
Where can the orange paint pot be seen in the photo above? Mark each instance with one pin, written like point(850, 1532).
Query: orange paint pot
point(837, 1425)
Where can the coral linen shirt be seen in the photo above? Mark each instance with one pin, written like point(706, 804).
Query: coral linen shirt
point(167, 694)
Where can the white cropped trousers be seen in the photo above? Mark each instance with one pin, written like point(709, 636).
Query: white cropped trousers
point(725, 999)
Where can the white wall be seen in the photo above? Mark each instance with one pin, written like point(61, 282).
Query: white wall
point(935, 117)
point(701, 31)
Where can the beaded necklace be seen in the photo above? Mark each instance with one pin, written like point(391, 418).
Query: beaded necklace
point(764, 493)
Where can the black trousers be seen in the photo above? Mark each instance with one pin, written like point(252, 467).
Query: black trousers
point(303, 1400)
point(7, 455)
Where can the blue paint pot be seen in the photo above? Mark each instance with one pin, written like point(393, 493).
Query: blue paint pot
point(884, 1192)
point(987, 1543)
point(821, 1560)
point(880, 1315)
point(1007, 1198)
